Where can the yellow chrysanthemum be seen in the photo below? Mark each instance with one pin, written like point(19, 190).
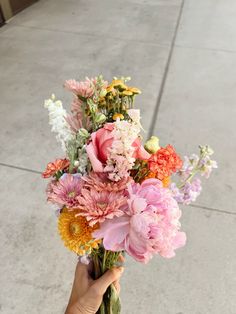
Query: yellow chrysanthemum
point(76, 233)
point(127, 93)
point(110, 88)
point(134, 90)
point(118, 83)
point(118, 115)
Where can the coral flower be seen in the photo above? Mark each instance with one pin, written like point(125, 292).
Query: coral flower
point(54, 167)
point(98, 206)
point(65, 191)
point(76, 233)
point(164, 162)
point(149, 226)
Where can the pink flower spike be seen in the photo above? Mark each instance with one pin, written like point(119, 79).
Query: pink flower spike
point(84, 89)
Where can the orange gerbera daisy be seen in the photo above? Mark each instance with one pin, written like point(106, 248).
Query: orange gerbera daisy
point(76, 233)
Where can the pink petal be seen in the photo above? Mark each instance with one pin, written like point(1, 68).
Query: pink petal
point(113, 233)
point(96, 164)
point(140, 152)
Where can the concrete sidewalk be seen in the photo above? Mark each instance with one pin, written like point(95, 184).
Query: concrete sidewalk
point(182, 54)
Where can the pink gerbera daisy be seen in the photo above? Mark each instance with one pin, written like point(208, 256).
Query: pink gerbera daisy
point(100, 182)
point(65, 191)
point(98, 206)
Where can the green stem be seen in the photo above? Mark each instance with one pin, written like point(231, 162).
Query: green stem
point(188, 179)
point(104, 261)
point(97, 269)
point(83, 115)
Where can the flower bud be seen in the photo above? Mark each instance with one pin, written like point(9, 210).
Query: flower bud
point(83, 133)
point(76, 163)
point(103, 92)
point(100, 118)
point(206, 150)
point(92, 106)
point(152, 145)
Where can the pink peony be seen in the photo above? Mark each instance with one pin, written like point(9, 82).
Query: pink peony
point(65, 191)
point(99, 148)
point(98, 206)
point(150, 224)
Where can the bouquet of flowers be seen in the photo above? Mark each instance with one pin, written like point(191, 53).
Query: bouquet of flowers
point(114, 195)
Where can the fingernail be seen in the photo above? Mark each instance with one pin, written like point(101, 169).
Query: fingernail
point(121, 269)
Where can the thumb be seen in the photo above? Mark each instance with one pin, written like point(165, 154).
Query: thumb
point(102, 283)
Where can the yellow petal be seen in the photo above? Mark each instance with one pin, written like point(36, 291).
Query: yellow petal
point(118, 115)
point(134, 90)
point(127, 93)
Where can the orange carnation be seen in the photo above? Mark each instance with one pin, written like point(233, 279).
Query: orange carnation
point(164, 162)
point(54, 167)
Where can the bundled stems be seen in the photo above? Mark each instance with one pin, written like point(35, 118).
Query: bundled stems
point(103, 261)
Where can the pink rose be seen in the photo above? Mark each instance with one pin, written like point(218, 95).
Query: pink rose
point(98, 148)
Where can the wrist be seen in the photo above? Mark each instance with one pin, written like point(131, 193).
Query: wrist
point(77, 308)
point(73, 309)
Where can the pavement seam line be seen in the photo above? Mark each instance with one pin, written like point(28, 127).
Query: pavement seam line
point(91, 35)
point(166, 71)
point(205, 49)
point(19, 168)
point(221, 211)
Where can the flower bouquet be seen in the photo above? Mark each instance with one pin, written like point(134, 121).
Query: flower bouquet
point(115, 195)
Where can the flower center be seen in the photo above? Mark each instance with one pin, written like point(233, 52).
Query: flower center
point(102, 205)
point(71, 194)
point(74, 228)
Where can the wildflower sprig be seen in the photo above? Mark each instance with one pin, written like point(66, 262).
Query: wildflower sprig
point(188, 187)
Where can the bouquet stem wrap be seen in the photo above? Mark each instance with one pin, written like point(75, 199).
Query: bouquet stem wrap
point(102, 262)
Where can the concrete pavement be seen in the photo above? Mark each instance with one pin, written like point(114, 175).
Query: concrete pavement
point(182, 54)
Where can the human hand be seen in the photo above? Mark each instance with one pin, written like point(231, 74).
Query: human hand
point(87, 294)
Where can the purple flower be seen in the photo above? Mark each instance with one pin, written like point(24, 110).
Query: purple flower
point(188, 193)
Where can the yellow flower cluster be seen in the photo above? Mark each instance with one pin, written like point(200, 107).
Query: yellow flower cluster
point(123, 88)
point(76, 233)
point(117, 89)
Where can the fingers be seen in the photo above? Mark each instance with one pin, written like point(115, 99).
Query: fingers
point(112, 275)
point(83, 272)
point(81, 269)
point(121, 258)
point(120, 261)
